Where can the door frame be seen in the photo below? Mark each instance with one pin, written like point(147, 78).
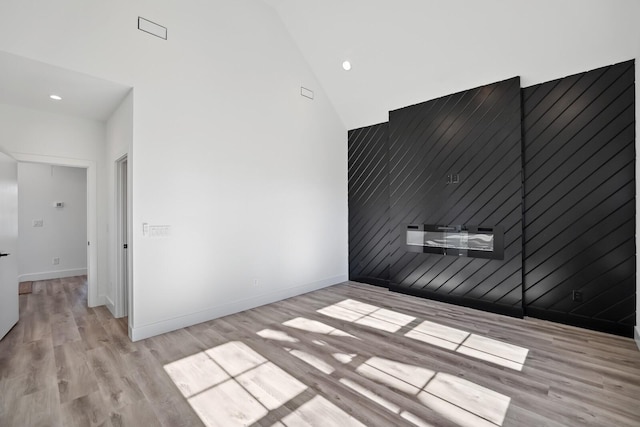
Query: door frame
point(94, 298)
point(10, 310)
point(122, 222)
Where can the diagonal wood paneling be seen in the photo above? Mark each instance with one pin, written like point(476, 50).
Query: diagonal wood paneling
point(476, 134)
point(579, 154)
point(369, 205)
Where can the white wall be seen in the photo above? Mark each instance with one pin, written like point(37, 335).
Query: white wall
point(63, 233)
point(119, 140)
point(250, 176)
point(45, 135)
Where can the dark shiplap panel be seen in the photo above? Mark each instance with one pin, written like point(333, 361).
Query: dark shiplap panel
point(369, 205)
point(476, 134)
point(579, 138)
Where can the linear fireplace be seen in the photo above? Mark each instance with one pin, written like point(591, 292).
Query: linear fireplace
point(459, 240)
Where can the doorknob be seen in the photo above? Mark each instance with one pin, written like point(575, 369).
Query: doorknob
point(1, 254)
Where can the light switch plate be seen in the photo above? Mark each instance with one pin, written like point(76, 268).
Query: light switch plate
point(159, 230)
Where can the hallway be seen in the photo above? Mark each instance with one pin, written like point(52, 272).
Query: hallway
point(64, 364)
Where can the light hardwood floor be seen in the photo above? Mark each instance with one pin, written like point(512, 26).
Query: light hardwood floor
point(351, 354)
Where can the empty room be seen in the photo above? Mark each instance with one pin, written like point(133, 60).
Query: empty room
point(319, 213)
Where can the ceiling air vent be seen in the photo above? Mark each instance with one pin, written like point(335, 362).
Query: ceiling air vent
point(152, 28)
point(307, 93)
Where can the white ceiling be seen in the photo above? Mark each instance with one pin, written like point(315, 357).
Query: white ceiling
point(28, 83)
point(409, 51)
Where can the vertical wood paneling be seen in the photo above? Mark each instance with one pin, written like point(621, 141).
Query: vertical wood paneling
point(369, 205)
point(476, 134)
point(579, 235)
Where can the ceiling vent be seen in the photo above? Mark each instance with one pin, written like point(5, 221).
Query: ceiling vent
point(152, 28)
point(307, 93)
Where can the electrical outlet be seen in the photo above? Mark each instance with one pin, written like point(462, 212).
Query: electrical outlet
point(38, 223)
point(576, 296)
point(55, 261)
point(256, 282)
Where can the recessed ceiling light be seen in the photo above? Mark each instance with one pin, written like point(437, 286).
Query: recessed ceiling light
point(55, 97)
point(346, 65)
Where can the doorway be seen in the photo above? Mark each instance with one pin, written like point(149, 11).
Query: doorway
point(122, 241)
point(52, 212)
point(93, 298)
point(8, 243)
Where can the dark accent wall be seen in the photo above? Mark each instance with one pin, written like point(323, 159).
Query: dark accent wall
point(579, 138)
point(477, 135)
point(552, 164)
point(369, 205)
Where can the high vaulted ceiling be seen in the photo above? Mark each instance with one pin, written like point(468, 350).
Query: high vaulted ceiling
point(408, 51)
point(402, 51)
point(28, 83)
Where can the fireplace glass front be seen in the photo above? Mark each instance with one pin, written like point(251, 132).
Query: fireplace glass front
point(460, 240)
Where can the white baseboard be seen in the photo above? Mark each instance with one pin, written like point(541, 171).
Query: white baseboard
point(48, 275)
point(150, 330)
point(637, 335)
point(110, 305)
point(97, 301)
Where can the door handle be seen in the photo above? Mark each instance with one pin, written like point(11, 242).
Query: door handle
point(1, 254)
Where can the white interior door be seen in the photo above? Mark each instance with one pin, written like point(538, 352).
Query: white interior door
point(8, 243)
point(125, 238)
point(122, 289)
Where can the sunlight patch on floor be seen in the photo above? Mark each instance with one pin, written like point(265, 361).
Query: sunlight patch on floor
point(367, 315)
point(466, 403)
point(271, 334)
point(407, 378)
point(319, 412)
point(232, 385)
point(483, 348)
point(227, 404)
point(344, 358)
point(315, 326)
point(459, 400)
point(477, 346)
point(235, 357)
point(306, 357)
point(312, 360)
point(196, 373)
point(498, 352)
point(438, 335)
point(390, 406)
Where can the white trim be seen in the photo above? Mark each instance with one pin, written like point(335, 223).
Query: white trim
point(93, 299)
point(147, 331)
point(110, 305)
point(48, 275)
point(637, 334)
point(119, 309)
point(101, 300)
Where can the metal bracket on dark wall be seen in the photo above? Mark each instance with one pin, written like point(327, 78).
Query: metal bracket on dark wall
point(453, 178)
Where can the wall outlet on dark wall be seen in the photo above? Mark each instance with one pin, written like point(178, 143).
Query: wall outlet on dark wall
point(576, 296)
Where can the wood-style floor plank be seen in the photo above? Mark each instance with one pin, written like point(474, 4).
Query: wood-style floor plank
point(350, 354)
